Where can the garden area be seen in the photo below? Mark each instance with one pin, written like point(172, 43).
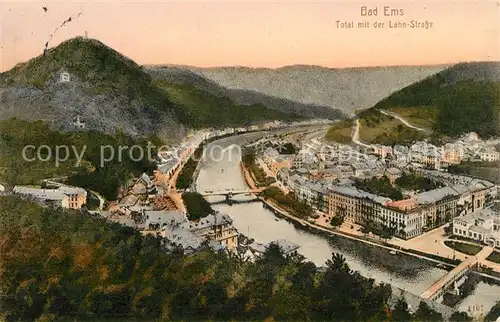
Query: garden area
point(380, 187)
point(494, 257)
point(298, 208)
point(464, 248)
point(260, 177)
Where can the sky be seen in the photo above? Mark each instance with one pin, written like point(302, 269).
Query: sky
point(258, 33)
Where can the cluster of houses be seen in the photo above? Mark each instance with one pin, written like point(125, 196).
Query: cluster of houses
point(64, 196)
point(321, 176)
point(467, 148)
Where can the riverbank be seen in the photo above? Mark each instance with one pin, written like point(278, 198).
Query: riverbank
point(438, 261)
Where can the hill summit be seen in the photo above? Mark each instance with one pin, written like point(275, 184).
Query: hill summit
point(83, 81)
point(104, 89)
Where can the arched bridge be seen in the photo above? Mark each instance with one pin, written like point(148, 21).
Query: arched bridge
point(231, 192)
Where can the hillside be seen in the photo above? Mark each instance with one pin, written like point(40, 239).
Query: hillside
point(65, 265)
point(107, 90)
point(24, 167)
point(460, 99)
point(183, 75)
point(204, 109)
point(345, 89)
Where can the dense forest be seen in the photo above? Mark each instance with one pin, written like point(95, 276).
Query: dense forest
point(103, 167)
point(202, 109)
point(466, 97)
point(64, 264)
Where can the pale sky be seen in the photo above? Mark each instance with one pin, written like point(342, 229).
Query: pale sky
point(257, 33)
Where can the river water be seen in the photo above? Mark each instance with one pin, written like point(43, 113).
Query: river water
point(220, 171)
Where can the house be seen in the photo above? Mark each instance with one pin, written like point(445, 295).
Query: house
point(157, 220)
point(217, 227)
point(452, 154)
point(256, 250)
point(65, 197)
point(489, 155)
point(64, 77)
point(78, 123)
point(382, 150)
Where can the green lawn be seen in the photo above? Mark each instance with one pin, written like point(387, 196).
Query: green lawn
point(376, 127)
point(421, 116)
point(341, 132)
point(494, 257)
point(468, 249)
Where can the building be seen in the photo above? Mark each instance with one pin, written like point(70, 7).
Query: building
point(190, 235)
point(217, 227)
point(356, 206)
point(408, 223)
point(157, 220)
point(64, 77)
point(482, 226)
point(79, 124)
point(489, 155)
point(65, 197)
point(392, 174)
point(452, 154)
point(382, 150)
point(255, 250)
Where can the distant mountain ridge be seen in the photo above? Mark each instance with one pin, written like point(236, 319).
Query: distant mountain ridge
point(178, 74)
point(345, 89)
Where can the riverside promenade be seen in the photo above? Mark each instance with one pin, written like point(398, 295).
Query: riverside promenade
point(397, 245)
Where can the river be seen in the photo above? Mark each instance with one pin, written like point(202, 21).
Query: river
point(220, 171)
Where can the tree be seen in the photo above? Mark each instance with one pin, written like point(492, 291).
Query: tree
point(197, 207)
point(401, 312)
point(426, 313)
point(338, 264)
point(494, 313)
point(460, 317)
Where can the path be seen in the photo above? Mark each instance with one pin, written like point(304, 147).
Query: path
point(102, 201)
point(355, 136)
point(402, 120)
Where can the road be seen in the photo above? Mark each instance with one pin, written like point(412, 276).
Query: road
point(355, 136)
point(402, 120)
point(102, 201)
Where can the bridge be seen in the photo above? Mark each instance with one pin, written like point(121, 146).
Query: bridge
point(231, 192)
point(439, 288)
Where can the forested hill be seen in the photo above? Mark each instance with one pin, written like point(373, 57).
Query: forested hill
point(460, 99)
point(65, 265)
point(465, 97)
point(179, 76)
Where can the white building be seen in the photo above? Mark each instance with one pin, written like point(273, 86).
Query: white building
point(65, 197)
point(78, 123)
point(64, 77)
point(489, 155)
point(482, 226)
